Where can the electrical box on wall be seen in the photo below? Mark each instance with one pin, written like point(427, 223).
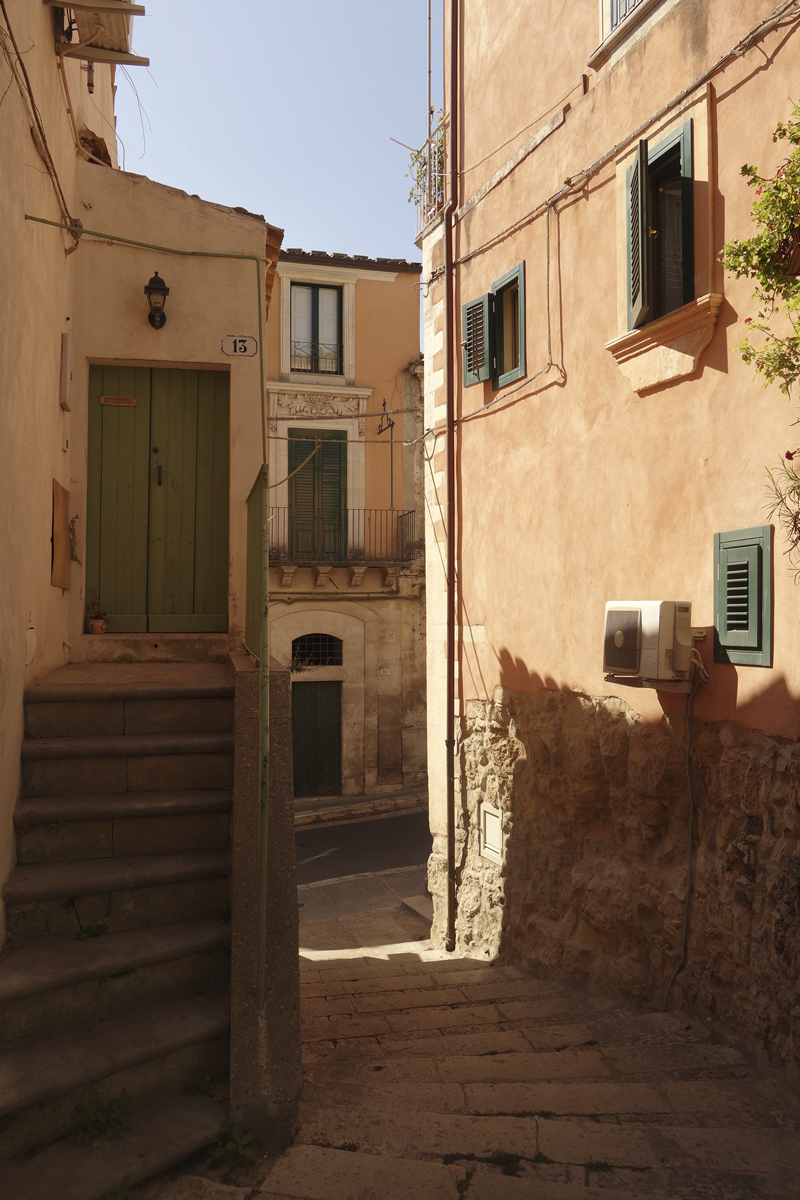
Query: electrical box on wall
point(648, 643)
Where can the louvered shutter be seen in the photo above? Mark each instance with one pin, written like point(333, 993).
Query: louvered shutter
point(301, 499)
point(743, 596)
point(332, 477)
point(477, 339)
point(640, 301)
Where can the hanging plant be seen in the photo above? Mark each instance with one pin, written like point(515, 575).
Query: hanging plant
point(772, 259)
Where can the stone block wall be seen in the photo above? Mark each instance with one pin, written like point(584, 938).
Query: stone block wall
point(595, 808)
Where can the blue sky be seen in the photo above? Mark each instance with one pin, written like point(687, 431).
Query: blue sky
point(286, 108)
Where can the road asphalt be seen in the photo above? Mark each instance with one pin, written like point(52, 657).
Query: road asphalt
point(354, 847)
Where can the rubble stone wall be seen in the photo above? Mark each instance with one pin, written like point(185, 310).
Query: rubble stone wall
point(595, 809)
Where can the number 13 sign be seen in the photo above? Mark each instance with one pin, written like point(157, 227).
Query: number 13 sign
point(244, 347)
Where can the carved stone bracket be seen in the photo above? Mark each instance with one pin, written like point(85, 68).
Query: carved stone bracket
point(287, 574)
point(322, 576)
point(357, 576)
point(668, 348)
point(390, 577)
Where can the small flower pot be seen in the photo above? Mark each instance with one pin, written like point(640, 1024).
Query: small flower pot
point(98, 626)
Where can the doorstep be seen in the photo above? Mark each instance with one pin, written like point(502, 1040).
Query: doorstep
point(328, 809)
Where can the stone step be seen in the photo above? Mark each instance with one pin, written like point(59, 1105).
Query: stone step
point(133, 764)
point(161, 1136)
point(317, 1173)
point(25, 973)
point(78, 682)
point(111, 806)
point(164, 828)
point(46, 991)
point(41, 1070)
point(126, 745)
point(54, 881)
point(79, 717)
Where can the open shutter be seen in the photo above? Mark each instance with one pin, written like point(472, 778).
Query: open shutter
point(743, 596)
point(639, 269)
point(477, 339)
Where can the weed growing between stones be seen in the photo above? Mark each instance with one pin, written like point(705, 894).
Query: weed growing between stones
point(508, 1162)
point(91, 931)
point(57, 826)
point(593, 1164)
point(233, 1145)
point(107, 1119)
point(541, 1158)
point(462, 1185)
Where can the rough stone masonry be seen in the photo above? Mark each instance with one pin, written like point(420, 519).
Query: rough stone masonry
point(595, 808)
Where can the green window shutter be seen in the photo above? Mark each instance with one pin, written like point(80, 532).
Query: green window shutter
point(477, 339)
point(301, 499)
point(639, 268)
point(332, 473)
point(743, 596)
point(502, 372)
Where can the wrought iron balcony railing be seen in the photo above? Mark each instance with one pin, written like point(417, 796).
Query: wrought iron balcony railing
point(320, 357)
point(429, 174)
point(362, 535)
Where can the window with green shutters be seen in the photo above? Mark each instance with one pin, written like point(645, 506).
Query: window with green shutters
point(659, 198)
point(318, 495)
point(743, 596)
point(493, 332)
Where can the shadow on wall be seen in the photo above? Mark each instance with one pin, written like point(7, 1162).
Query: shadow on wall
point(594, 807)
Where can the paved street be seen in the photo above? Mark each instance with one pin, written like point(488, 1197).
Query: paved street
point(435, 1077)
point(353, 847)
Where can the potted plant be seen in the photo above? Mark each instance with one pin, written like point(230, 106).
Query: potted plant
point(97, 619)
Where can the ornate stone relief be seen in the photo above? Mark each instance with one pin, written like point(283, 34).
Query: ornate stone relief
point(319, 404)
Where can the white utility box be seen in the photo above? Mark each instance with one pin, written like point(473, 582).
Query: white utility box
point(648, 642)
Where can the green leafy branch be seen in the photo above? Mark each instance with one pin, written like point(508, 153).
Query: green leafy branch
point(772, 259)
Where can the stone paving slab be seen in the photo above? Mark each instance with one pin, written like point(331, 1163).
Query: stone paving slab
point(505, 1068)
point(584, 1099)
point(314, 1173)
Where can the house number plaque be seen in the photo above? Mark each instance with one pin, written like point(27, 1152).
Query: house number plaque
point(119, 401)
point(240, 347)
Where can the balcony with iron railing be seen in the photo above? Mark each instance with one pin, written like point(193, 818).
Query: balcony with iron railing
point(320, 358)
point(429, 175)
point(362, 535)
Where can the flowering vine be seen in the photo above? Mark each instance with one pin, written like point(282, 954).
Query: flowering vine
point(772, 259)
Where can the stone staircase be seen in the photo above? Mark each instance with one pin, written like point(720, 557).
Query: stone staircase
point(115, 973)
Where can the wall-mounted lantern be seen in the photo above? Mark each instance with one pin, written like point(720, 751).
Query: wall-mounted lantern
point(157, 292)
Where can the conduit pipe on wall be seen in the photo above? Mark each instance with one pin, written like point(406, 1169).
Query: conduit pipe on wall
point(450, 530)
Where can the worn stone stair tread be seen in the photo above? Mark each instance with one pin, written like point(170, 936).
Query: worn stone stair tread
point(127, 745)
point(160, 1137)
point(44, 968)
point(319, 1173)
point(52, 881)
point(43, 810)
point(40, 1070)
point(132, 681)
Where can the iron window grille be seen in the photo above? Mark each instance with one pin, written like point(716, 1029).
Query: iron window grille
point(317, 650)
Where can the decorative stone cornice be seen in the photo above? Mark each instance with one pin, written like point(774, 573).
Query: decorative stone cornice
point(344, 402)
point(668, 348)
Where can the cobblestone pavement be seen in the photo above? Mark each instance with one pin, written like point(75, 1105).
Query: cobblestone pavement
point(430, 1077)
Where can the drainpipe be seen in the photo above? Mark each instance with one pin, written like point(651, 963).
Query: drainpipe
point(450, 372)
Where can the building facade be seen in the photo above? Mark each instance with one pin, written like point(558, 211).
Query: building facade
point(594, 434)
point(347, 602)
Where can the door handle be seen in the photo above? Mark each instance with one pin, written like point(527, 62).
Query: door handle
point(158, 474)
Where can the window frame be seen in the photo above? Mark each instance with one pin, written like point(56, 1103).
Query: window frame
point(753, 646)
point(682, 139)
point(515, 276)
point(315, 369)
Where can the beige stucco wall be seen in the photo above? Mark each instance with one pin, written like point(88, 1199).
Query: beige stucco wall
point(580, 490)
point(36, 309)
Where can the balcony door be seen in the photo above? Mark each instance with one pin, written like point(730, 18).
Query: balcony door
point(317, 738)
point(318, 495)
point(157, 513)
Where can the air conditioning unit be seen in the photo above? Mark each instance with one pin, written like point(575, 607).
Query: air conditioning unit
point(648, 643)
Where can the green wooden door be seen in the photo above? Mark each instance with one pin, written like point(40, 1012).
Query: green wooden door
point(318, 496)
point(317, 738)
point(157, 524)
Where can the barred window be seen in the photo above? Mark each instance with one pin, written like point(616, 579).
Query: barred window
point(317, 650)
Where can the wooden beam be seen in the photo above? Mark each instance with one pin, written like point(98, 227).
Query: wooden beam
point(110, 6)
point(98, 54)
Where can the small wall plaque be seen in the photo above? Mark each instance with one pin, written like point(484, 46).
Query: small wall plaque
point(119, 401)
point(238, 346)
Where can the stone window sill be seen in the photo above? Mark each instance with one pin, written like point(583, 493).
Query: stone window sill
point(621, 33)
point(668, 348)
